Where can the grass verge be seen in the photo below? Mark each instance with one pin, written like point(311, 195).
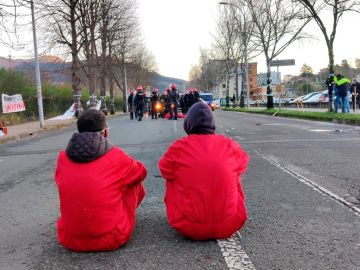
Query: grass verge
point(348, 118)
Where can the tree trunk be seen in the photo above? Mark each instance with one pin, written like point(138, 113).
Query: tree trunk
point(331, 74)
point(111, 79)
point(270, 99)
point(75, 60)
point(242, 95)
point(237, 81)
point(92, 57)
point(103, 67)
point(125, 108)
point(227, 105)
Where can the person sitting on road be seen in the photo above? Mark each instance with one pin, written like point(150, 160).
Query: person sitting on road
point(99, 187)
point(204, 195)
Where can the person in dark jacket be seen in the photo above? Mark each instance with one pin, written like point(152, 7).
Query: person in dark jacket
point(196, 97)
point(355, 91)
point(204, 197)
point(154, 99)
point(342, 86)
point(99, 186)
point(139, 102)
point(131, 101)
point(168, 100)
point(174, 102)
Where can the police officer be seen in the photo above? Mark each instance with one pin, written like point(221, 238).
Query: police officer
point(168, 102)
point(174, 102)
point(131, 100)
point(139, 102)
point(196, 97)
point(355, 93)
point(154, 99)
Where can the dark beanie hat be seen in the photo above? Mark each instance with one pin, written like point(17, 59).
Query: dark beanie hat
point(199, 119)
point(91, 121)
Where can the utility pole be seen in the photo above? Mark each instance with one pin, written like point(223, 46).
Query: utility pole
point(37, 68)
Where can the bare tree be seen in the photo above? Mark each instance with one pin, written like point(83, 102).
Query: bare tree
point(208, 72)
point(62, 20)
point(11, 13)
point(225, 42)
point(278, 23)
point(246, 48)
point(317, 9)
point(126, 37)
point(89, 13)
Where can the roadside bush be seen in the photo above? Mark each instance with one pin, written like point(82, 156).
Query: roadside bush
point(56, 98)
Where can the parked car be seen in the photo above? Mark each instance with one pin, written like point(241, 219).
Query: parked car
point(296, 100)
point(315, 98)
point(217, 103)
point(208, 98)
point(304, 98)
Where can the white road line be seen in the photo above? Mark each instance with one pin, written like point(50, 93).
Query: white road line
point(220, 126)
point(235, 257)
point(175, 128)
point(239, 138)
point(312, 184)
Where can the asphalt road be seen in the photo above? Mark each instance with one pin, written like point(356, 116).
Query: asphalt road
point(302, 193)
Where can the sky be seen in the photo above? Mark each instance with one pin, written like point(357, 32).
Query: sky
point(174, 31)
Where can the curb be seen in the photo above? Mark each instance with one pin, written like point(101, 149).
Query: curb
point(30, 134)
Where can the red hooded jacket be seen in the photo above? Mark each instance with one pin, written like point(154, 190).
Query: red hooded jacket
point(204, 197)
point(98, 200)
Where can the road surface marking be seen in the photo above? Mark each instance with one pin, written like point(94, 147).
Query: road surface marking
point(220, 126)
point(175, 128)
point(320, 130)
point(235, 257)
point(274, 124)
point(312, 184)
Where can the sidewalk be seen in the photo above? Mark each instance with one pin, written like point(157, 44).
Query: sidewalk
point(30, 129)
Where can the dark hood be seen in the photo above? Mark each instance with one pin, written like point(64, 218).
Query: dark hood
point(199, 119)
point(87, 146)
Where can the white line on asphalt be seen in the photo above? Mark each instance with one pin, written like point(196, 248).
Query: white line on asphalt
point(220, 126)
point(235, 257)
point(312, 184)
point(175, 128)
point(274, 124)
point(239, 138)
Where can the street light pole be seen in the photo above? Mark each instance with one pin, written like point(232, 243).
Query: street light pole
point(37, 69)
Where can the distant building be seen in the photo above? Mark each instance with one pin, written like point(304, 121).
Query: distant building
point(275, 78)
point(288, 78)
point(219, 90)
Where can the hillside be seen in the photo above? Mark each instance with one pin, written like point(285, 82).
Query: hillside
point(56, 71)
point(161, 82)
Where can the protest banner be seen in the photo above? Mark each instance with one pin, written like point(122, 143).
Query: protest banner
point(12, 104)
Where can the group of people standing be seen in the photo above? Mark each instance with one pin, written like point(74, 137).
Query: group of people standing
point(342, 88)
point(158, 105)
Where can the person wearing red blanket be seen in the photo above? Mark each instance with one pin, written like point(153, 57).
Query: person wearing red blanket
point(99, 187)
point(204, 197)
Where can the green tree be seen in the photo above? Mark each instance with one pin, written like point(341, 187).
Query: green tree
point(357, 63)
point(306, 71)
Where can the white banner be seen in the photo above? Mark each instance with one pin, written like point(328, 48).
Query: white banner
point(70, 113)
point(12, 104)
